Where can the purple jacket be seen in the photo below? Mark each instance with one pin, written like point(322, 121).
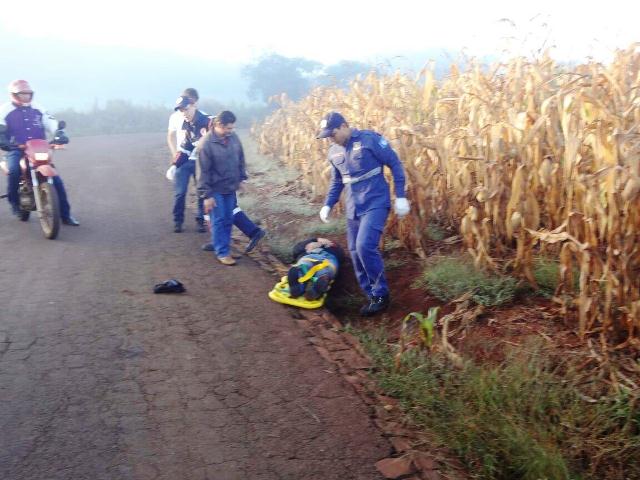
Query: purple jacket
point(26, 123)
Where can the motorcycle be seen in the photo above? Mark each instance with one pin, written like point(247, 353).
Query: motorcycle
point(36, 189)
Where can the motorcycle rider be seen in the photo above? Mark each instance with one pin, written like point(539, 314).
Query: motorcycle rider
point(27, 121)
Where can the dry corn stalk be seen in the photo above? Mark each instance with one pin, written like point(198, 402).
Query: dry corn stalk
point(522, 157)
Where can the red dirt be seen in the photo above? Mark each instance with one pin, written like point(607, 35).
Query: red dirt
point(485, 340)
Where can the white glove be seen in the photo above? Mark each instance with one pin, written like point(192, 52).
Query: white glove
point(324, 213)
point(401, 207)
point(171, 173)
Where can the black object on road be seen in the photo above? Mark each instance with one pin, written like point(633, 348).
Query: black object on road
point(169, 286)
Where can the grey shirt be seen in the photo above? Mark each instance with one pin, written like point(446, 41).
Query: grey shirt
point(222, 165)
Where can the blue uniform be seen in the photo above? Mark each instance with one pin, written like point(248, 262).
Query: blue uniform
point(358, 169)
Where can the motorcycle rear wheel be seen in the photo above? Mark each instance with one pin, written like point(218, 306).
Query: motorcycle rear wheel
point(50, 214)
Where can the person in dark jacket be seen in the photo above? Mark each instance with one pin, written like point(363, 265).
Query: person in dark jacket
point(176, 133)
point(222, 169)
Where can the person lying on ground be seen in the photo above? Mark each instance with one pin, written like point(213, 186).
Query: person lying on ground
point(317, 262)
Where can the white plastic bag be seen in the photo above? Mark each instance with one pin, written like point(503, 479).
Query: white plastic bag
point(171, 173)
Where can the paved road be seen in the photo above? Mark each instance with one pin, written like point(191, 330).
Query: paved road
point(102, 379)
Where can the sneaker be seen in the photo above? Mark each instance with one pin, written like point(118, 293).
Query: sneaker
point(208, 247)
point(259, 235)
point(375, 305)
point(226, 260)
point(177, 227)
point(71, 221)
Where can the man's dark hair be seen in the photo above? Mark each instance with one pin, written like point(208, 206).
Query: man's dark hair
point(226, 117)
point(191, 93)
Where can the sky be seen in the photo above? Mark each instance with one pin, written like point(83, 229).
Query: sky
point(372, 31)
point(238, 31)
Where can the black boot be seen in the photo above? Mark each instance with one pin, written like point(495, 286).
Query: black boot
point(375, 305)
point(259, 235)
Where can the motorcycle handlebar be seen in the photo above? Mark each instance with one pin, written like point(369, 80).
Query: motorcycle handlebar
point(13, 148)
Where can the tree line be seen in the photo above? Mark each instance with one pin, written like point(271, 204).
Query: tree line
point(269, 75)
point(273, 74)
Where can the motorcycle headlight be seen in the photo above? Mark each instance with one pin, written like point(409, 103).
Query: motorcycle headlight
point(41, 156)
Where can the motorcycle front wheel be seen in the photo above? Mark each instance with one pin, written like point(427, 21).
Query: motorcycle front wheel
point(50, 214)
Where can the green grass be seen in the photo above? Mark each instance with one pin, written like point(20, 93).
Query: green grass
point(517, 420)
point(247, 202)
point(450, 277)
point(289, 203)
point(318, 228)
point(546, 271)
point(391, 243)
point(395, 263)
point(282, 248)
point(435, 232)
point(273, 171)
point(344, 301)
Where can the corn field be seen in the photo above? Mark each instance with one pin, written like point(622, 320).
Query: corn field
point(524, 158)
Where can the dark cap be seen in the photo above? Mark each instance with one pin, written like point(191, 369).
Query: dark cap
point(329, 122)
point(183, 102)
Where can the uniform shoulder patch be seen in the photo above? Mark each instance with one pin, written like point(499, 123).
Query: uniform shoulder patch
point(383, 142)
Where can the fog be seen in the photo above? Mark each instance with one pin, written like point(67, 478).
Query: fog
point(80, 56)
point(68, 75)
